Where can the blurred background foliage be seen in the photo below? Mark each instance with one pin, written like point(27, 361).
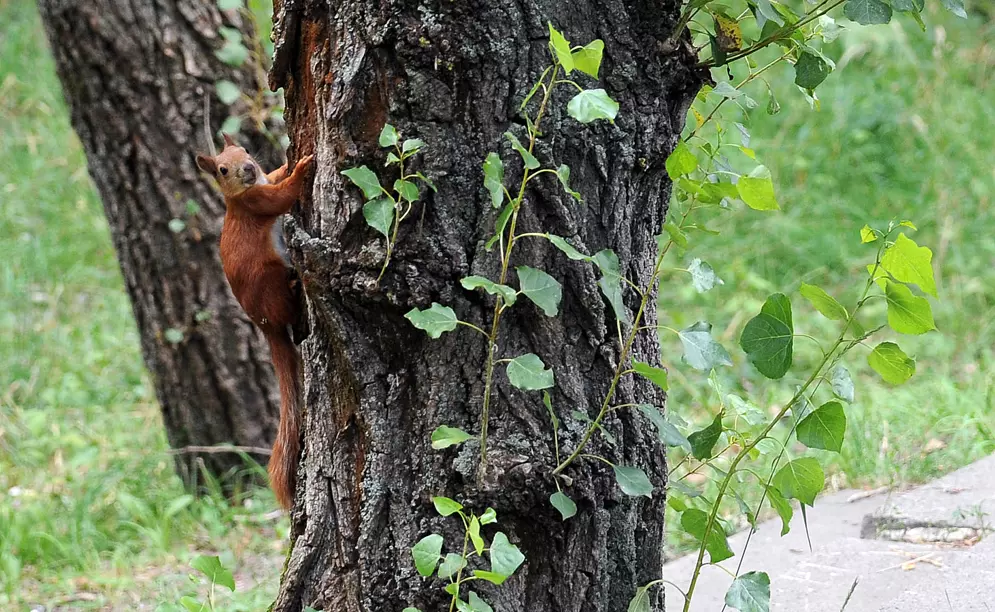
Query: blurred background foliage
point(91, 512)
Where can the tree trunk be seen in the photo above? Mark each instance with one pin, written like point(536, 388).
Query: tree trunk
point(135, 75)
point(454, 74)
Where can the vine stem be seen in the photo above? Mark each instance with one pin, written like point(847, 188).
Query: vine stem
point(622, 366)
point(781, 33)
point(459, 574)
point(397, 222)
point(763, 434)
point(752, 76)
point(505, 261)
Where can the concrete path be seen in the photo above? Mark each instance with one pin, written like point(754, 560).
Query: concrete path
point(928, 559)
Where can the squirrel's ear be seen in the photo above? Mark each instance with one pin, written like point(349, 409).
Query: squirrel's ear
point(207, 164)
point(228, 141)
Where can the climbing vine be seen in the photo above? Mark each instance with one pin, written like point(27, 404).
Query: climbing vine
point(741, 445)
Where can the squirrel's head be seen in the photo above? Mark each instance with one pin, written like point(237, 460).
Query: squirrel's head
point(233, 167)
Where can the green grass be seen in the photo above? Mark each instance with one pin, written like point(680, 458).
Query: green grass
point(90, 507)
point(89, 504)
point(904, 132)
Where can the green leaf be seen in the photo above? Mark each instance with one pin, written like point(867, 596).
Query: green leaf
point(426, 180)
point(769, 12)
point(563, 174)
point(509, 295)
point(612, 290)
point(412, 145)
point(477, 604)
point(427, 553)
point(703, 277)
point(177, 225)
point(489, 516)
point(675, 233)
point(783, 508)
point(388, 136)
point(667, 431)
point(823, 302)
point(824, 427)
point(192, 604)
point(173, 335)
point(701, 351)
point(757, 191)
point(801, 479)
point(379, 215)
point(681, 162)
point(657, 376)
point(494, 178)
point(611, 283)
point(365, 179)
point(567, 248)
point(694, 522)
point(451, 564)
point(227, 91)
point(210, 566)
point(530, 162)
point(811, 70)
point(867, 12)
point(411, 610)
point(500, 223)
point(233, 52)
point(750, 592)
point(445, 436)
point(505, 556)
point(229, 5)
point(445, 506)
point(544, 291)
point(842, 383)
point(407, 190)
point(640, 602)
point(633, 481)
point(956, 7)
point(592, 104)
point(564, 504)
point(891, 362)
point(703, 441)
point(867, 235)
point(588, 58)
point(434, 321)
point(529, 373)
point(908, 5)
point(907, 313)
point(910, 263)
point(491, 577)
point(768, 337)
point(392, 159)
point(561, 49)
point(474, 531)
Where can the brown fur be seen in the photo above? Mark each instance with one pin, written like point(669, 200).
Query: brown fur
point(260, 281)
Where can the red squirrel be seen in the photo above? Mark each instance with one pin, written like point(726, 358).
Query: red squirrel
point(261, 279)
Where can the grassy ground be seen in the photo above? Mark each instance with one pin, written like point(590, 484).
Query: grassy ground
point(89, 506)
point(903, 133)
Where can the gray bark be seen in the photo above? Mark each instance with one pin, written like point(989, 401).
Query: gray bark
point(135, 75)
point(454, 74)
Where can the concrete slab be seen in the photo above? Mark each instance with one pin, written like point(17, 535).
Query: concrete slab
point(955, 508)
point(818, 580)
point(966, 585)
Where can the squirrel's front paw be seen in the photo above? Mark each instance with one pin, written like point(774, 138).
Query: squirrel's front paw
point(304, 164)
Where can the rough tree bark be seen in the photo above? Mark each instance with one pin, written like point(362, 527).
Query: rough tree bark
point(135, 75)
point(454, 74)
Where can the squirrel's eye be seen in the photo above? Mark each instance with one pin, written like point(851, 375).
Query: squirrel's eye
point(224, 171)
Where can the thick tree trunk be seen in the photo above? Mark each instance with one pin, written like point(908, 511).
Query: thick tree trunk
point(136, 75)
point(454, 74)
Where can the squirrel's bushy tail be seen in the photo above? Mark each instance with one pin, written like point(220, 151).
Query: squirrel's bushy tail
point(287, 448)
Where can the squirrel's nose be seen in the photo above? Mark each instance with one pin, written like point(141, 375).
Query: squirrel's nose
point(249, 169)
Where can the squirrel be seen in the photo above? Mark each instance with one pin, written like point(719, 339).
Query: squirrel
point(264, 282)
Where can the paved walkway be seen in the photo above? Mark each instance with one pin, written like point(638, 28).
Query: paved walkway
point(916, 554)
